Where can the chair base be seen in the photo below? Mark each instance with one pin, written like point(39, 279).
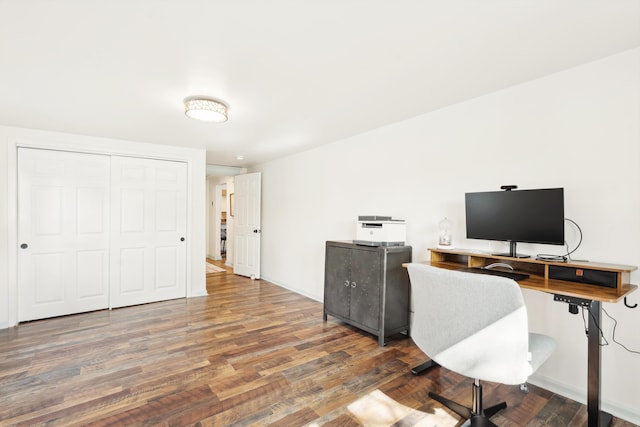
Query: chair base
point(476, 420)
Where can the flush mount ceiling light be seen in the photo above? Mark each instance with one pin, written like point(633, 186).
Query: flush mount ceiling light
point(207, 110)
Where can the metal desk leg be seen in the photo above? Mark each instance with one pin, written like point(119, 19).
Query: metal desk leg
point(596, 418)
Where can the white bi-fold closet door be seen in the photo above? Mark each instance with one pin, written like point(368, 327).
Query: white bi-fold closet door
point(98, 231)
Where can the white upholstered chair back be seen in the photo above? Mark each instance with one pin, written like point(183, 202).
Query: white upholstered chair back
point(473, 324)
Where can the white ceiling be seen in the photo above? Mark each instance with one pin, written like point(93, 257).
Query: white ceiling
point(295, 73)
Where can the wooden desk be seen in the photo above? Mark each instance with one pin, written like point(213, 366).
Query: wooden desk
point(589, 295)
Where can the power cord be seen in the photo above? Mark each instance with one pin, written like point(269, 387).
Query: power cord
point(586, 328)
point(613, 331)
point(567, 256)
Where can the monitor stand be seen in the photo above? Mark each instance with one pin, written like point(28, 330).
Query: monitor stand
point(512, 252)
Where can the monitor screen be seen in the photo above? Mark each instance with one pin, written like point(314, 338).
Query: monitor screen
point(531, 216)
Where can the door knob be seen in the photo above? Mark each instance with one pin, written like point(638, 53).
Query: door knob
point(24, 246)
point(182, 239)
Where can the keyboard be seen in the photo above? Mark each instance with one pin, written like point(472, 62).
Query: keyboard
point(509, 274)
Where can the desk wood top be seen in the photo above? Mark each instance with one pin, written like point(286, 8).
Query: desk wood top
point(578, 264)
point(561, 287)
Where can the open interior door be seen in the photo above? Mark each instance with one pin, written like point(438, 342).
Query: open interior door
point(246, 215)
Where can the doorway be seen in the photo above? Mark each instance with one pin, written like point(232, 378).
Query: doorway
point(221, 194)
point(219, 220)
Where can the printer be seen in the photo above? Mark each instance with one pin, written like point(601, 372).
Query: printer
point(374, 230)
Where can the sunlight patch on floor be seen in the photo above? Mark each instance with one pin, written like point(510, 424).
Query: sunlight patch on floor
point(376, 409)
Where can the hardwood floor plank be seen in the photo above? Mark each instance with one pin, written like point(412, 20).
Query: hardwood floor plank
point(556, 411)
point(248, 354)
point(298, 418)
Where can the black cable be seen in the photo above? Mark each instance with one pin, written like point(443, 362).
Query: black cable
point(602, 344)
point(567, 256)
point(613, 333)
point(579, 242)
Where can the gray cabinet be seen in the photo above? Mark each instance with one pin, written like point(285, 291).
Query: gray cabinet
point(367, 287)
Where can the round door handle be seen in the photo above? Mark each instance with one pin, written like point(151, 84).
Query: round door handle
point(24, 246)
point(182, 239)
point(353, 284)
point(346, 283)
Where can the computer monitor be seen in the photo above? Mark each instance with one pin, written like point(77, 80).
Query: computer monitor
point(531, 216)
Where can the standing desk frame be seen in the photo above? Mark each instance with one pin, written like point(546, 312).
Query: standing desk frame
point(591, 297)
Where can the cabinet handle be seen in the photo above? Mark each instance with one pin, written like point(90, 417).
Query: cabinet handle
point(353, 284)
point(346, 283)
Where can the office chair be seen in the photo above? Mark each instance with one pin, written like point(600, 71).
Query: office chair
point(475, 325)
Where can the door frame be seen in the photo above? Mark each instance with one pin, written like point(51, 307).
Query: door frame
point(196, 253)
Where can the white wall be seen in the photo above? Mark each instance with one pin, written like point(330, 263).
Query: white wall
point(10, 138)
point(578, 129)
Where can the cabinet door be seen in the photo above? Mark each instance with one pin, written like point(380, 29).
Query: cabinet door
point(336, 287)
point(366, 267)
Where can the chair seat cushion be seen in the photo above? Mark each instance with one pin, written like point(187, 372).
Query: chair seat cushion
point(499, 352)
point(541, 347)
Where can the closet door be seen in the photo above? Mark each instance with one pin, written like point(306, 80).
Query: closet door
point(63, 232)
point(148, 230)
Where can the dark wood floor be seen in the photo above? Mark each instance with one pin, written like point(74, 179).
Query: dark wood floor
point(251, 353)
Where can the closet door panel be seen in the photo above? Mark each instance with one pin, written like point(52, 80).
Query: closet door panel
point(63, 233)
point(148, 227)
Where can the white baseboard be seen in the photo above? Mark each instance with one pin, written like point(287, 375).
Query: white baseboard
point(297, 291)
point(620, 411)
point(199, 294)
